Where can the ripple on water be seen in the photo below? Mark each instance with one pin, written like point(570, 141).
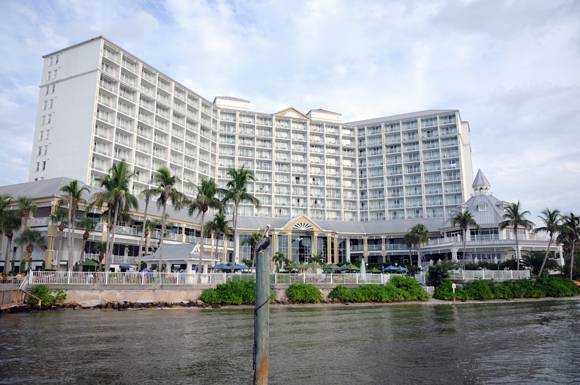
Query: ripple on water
point(514, 342)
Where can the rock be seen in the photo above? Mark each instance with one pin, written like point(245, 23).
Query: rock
point(216, 306)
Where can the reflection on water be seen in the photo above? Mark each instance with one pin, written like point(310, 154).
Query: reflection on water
point(516, 342)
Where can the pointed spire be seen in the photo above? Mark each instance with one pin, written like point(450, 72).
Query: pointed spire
point(480, 181)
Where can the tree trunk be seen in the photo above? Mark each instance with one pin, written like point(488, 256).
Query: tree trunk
point(253, 256)
point(161, 240)
point(82, 254)
point(8, 253)
point(59, 251)
point(22, 219)
point(463, 256)
point(201, 247)
point(572, 257)
point(109, 258)
point(418, 257)
point(235, 223)
point(108, 229)
point(546, 257)
point(410, 256)
point(71, 259)
point(143, 234)
point(517, 249)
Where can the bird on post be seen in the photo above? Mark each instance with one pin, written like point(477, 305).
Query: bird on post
point(264, 242)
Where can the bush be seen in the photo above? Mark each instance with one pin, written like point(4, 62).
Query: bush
point(398, 289)
point(45, 295)
point(303, 292)
point(521, 288)
point(437, 273)
point(233, 293)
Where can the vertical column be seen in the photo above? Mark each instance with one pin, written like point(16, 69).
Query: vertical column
point(315, 244)
point(289, 256)
point(454, 254)
point(237, 247)
point(366, 249)
point(383, 249)
point(336, 249)
point(347, 250)
point(183, 233)
point(329, 248)
point(213, 244)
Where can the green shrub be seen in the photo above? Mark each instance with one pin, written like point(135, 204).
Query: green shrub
point(233, 293)
point(45, 295)
point(398, 289)
point(437, 273)
point(521, 288)
point(303, 292)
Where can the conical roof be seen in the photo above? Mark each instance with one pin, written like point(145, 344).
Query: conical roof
point(480, 180)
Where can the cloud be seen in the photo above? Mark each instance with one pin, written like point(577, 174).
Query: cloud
point(510, 67)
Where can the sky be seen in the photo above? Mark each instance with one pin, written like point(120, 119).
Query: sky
point(512, 68)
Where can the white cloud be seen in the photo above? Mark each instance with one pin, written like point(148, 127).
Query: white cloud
point(510, 67)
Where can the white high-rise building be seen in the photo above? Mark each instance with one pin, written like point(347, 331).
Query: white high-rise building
point(98, 104)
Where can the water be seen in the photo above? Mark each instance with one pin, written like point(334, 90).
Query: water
point(488, 343)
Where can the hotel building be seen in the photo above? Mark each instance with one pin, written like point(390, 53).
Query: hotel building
point(98, 104)
point(344, 190)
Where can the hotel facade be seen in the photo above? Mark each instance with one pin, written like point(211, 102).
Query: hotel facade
point(340, 189)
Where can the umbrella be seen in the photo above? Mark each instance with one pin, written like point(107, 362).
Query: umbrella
point(374, 270)
point(312, 265)
point(401, 268)
point(240, 267)
point(90, 262)
point(350, 266)
point(390, 268)
point(223, 266)
point(126, 266)
point(331, 266)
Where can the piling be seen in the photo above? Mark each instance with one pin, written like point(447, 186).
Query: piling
point(261, 319)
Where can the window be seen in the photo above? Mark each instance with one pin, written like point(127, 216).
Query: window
point(44, 165)
point(42, 120)
point(57, 59)
point(49, 118)
point(45, 149)
point(53, 86)
point(37, 166)
point(39, 150)
point(47, 89)
point(41, 136)
point(482, 208)
point(44, 105)
point(50, 61)
point(47, 132)
point(54, 77)
point(48, 75)
point(50, 105)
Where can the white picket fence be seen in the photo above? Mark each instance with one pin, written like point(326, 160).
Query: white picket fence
point(139, 278)
point(489, 274)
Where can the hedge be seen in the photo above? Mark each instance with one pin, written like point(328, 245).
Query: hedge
point(401, 288)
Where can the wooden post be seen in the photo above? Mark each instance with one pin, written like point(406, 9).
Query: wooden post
point(261, 319)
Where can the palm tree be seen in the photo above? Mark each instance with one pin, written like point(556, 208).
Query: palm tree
point(205, 199)
point(101, 249)
point(317, 258)
point(570, 230)
point(551, 221)
point(73, 195)
point(409, 241)
point(280, 260)
point(25, 205)
point(536, 261)
point(9, 222)
point(219, 226)
point(59, 215)
point(251, 241)
point(118, 198)
point(166, 192)
point(247, 262)
point(5, 201)
point(464, 221)
point(421, 236)
point(236, 192)
point(29, 238)
point(146, 194)
point(515, 218)
point(88, 224)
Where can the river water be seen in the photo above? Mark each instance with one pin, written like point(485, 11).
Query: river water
point(487, 343)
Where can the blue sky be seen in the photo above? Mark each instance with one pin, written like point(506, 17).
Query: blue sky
point(511, 67)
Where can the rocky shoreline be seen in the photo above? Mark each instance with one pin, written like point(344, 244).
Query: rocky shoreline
point(126, 305)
